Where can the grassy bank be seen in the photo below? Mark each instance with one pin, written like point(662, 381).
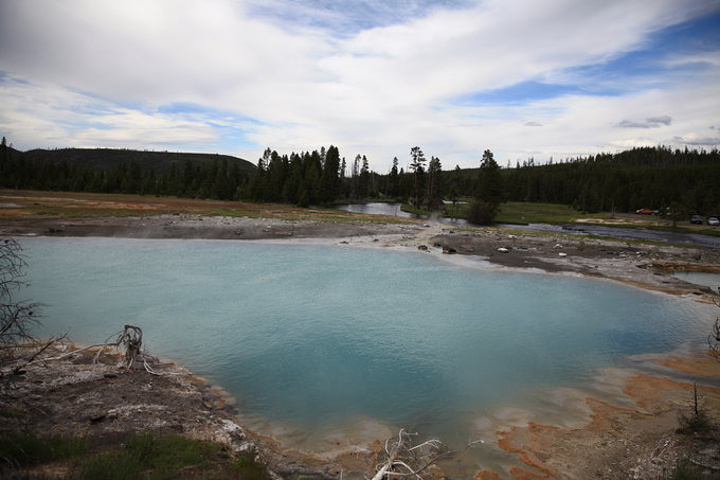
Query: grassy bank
point(144, 455)
point(28, 203)
point(522, 213)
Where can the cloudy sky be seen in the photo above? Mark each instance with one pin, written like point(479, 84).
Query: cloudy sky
point(523, 78)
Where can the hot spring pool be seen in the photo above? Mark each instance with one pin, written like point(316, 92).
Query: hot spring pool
point(312, 340)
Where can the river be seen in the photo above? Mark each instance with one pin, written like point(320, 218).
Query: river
point(393, 209)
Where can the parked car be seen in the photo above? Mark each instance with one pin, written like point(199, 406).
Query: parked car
point(696, 219)
point(645, 211)
point(713, 221)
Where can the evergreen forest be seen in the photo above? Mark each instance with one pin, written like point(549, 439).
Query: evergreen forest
point(649, 177)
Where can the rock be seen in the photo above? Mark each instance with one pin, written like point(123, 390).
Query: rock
point(447, 249)
point(424, 248)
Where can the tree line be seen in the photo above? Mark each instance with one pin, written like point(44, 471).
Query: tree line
point(123, 171)
point(647, 177)
point(323, 177)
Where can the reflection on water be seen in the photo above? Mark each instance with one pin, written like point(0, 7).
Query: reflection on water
point(393, 210)
point(319, 341)
point(377, 208)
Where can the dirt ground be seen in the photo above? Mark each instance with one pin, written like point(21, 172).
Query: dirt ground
point(635, 440)
point(74, 392)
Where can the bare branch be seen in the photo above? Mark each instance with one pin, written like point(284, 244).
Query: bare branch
point(714, 338)
point(18, 318)
point(406, 460)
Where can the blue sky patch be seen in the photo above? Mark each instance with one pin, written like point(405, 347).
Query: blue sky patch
point(518, 94)
point(344, 18)
point(651, 65)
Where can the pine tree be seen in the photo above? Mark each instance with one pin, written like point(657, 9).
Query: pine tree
point(434, 184)
point(489, 192)
point(394, 180)
point(417, 164)
point(490, 181)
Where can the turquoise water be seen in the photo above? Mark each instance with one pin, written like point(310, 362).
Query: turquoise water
point(315, 337)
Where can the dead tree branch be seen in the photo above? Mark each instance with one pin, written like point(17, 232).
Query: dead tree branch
point(130, 341)
point(714, 337)
point(403, 459)
point(714, 340)
point(18, 318)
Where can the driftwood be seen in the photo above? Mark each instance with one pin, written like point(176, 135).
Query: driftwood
point(129, 340)
point(407, 460)
point(132, 339)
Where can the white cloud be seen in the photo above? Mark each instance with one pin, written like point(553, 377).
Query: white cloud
point(652, 122)
point(70, 119)
point(100, 71)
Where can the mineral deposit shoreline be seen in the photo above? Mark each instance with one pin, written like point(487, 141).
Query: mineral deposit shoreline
point(625, 438)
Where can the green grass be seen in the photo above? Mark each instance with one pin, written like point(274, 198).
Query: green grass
point(524, 213)
point(145, 456)
point(406, 207)
point(248, 468)
point(150, 457)
point(155, 458)
point(24, 448)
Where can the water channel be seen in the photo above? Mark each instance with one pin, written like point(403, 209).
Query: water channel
point(393, 209)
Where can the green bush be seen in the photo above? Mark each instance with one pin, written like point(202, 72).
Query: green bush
point(698, 422)
point(481, 213)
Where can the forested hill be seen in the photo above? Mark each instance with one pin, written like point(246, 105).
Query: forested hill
point(649, 177)
point(124, 171)
point(108, 158)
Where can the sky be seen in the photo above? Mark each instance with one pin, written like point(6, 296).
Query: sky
point(525, 79)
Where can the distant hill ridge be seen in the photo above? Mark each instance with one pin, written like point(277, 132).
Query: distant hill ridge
point(108, 170)
point(108, 158)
